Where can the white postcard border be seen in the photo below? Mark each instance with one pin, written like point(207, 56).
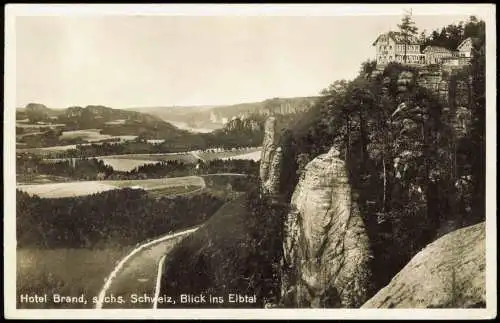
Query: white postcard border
point(485, 11)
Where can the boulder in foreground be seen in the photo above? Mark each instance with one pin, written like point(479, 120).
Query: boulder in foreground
point(448, 273)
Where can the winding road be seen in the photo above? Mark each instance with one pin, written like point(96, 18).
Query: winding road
point(133, 283)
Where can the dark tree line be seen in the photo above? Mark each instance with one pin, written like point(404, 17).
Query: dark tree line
point(175, 168)
point(117, 217)
point(95, 169)
point(79, 169)
point(452, 35)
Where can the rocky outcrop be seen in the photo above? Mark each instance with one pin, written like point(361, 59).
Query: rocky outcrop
point(326, 248)
point(443, 90)
point(449, 272)
point(430, 78)
point(405, 79)
point(272, 185)
point(271, 159)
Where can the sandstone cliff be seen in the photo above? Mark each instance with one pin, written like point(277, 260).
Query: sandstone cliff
point(270, 162)
point(326, 248)
point(449, 272)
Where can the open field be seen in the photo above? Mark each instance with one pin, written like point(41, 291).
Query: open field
point(64, 271)
point(21, 179)
point(67, 189)
point(116, 122)
point(155, 141)
point(252, 155)
point(211, 155)
point(46, 150)
point(81, 188)
point(157, 183)
point(125, 165)
point(87, 134)
point(30, 125)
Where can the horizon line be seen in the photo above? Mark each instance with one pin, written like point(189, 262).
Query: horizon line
point(208, 106)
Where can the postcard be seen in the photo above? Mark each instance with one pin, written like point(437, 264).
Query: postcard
point(260, 161)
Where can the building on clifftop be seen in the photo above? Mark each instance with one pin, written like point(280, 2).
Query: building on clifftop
point(436, 54)
point(465, 48)
point(391, 48)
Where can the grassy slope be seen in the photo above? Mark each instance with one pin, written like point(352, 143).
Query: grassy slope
point(213, 260)
point(69, 272)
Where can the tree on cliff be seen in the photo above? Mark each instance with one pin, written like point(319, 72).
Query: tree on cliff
point(408, 30)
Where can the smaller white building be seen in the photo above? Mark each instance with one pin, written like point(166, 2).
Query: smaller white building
point(465, 48)
point(436, 54)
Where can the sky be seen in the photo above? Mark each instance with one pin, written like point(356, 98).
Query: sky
point(138, 61)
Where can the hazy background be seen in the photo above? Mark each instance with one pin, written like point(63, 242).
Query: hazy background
point(132, 61)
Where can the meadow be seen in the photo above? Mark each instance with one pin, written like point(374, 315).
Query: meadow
point(38, 126)
point(255, 155)
point(157, 183)
point(65, 271)
point(66, 189)
point(87, 134)
point(28, 179)
point(233, 153)
point(73, 272)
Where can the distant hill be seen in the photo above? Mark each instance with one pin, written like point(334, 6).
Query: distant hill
point(239, 125)
point(36, 112)
point(208, 118)
point(35, 121)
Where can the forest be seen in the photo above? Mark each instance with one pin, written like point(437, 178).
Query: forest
point(95, 169)
point(114, 218)
point(452, 35)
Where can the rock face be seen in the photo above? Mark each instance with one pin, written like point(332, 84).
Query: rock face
point(326, 248)
point(430, 79)
point(271, 159)
point(450, 272)
point(405, 79)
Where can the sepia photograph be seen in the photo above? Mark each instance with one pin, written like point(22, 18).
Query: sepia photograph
point(263, 161)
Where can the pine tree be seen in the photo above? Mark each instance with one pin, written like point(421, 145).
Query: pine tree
point(407, 29)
